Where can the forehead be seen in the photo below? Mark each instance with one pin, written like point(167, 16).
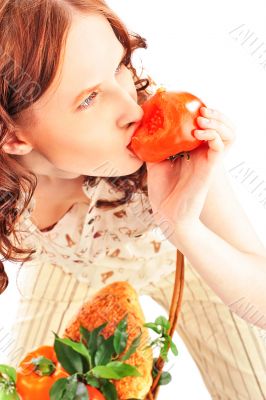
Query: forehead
point(91, 45)
point(90, 40)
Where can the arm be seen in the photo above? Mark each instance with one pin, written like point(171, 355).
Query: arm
point(207, 223)
point(226, 252)
point(238, 278)
point(223, 214)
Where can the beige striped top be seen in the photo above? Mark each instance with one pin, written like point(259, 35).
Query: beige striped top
point(88, 248)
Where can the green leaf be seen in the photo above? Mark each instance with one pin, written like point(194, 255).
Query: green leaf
point(163, 322)
point(165, 378)
point(172, 346)
point(78, 347)
point(69, 389)
point(73, 356)
point(164, 351)
point(99, 341)
point(90, 337)
point(81, 392)
point(154, 368)
point(104, 353)
point(8, 383)
point(97, 331)
point(58, 389)
point(115, 370)
point(109, 391)
point(153, 326)
point(84, 334)
point(92, 381)
point(8, 372)
point(134, 345)
point(121, 336)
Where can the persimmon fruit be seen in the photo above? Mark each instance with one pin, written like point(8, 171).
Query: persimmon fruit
point(166, 129)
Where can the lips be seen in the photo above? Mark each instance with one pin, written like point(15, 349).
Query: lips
point(132, 131)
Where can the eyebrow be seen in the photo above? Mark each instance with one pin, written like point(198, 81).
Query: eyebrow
point(87, 91)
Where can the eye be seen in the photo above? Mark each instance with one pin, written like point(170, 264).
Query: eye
point(86, 103)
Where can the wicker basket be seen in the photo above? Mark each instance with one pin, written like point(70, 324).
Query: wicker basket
point(173, 317)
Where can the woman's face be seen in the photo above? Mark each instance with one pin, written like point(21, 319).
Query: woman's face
point(88, 134)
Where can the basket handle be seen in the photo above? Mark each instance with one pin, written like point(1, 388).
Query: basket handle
point(173, 317)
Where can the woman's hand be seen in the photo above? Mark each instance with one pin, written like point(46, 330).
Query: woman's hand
point(178, 189)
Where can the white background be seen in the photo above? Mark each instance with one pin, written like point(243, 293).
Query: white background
point(197, 46)
point(191, 47)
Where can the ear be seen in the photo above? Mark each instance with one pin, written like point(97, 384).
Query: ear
point(16, 145)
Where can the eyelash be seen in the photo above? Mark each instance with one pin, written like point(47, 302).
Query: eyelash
point(94, 94)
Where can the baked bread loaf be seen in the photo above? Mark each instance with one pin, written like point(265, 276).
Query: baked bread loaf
point(110, 304)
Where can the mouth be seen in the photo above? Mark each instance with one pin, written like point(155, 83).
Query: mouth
point(133, 129)
point(131, 153)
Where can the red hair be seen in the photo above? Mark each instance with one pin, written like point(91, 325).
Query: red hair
point(32, 31)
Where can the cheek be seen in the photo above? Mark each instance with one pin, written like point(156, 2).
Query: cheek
point(68, 143)
point(83, 152)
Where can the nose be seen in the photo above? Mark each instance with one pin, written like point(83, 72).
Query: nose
point(132, 116)
point(130, 111)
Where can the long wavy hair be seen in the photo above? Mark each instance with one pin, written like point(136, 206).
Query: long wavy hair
point(32, 31)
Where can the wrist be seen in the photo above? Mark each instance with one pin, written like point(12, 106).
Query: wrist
point(185, 231)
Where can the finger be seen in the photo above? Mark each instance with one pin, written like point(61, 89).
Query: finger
point(225, 132)
point(217, 115)
point(213, 138)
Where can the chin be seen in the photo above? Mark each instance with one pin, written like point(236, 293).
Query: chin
point(122, 167)
point(131, 166)
point(132, 170)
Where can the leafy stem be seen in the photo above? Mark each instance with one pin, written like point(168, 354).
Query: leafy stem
point(97, 361)
point(161, 326)
point(94, 361)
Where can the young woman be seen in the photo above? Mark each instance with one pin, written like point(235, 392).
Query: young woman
point(78, 208)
